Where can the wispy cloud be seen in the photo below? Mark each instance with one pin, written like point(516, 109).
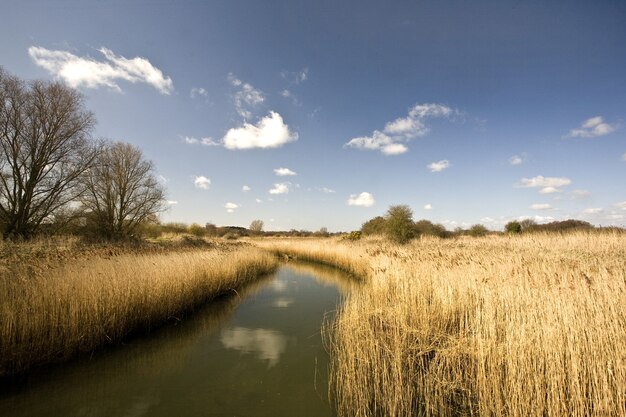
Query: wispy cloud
point(197, 92)
point(517, 159)
point(403, 129)
point(245, 188)
point(207, 141)
point(548, 185)
point(202, 182)
point(439, 166)
point(280, 188)
point(246, 98)
point(231, 207)
point(327, 190)
point(428, 207)
point(284, 172)
point(295, 77)
point(364, 199)
point(593, 210)
point(88, 72)
point(269, 132)
point(595, 126)
point(541, 206)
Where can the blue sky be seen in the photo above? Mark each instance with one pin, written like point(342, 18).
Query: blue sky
point(469, 112)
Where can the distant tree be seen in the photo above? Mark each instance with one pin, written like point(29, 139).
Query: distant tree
point(211, 229)
point(375, 226)
point(45, 147)
point(426, 227)
point(122, 190)
point(478, 230)
point(196, 230)
point(322, 232)
point(527, 224)
point(513, 227)
point(256, 226)
point(399, 223)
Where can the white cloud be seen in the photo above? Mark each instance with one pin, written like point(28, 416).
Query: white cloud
point(290, 95)
point(280, 188)
point(230, 207)
point(580, 193)
point(537, 218)
point(593, 210)
point(364, 199)
point(378, 141)
point(284, 172)
point(327, 190)
point(171, 202)
point(549, 190)
point(269, 132)
point(296, 77)
point(85, 71)
point(245, 188)
point(258, 200)
point(207, 141)
point(544, 182)
point(402, 129)
point(428, 207)
point(438, 166)
point(621, 205)
point(202, 182)
point(541, 206)
point(593, 127)
point(198, 92)
point(516, 159)
point(246, 98)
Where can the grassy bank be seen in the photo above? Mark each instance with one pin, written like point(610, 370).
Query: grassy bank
point(506, 326)
point(57, 300)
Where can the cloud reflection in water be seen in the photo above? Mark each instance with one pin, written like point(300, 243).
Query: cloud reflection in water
point(267, 345)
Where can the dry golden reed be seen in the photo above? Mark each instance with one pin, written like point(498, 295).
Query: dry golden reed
point(531, 325)
point(50, 311)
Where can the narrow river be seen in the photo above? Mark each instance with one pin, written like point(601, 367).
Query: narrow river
point(257, 352)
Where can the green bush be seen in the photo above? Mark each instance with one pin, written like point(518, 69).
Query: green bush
point(513, 227)
point(399, 223)
point(478, 230)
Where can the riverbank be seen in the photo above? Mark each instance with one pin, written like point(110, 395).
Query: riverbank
point(61, 298)
point(500, 325)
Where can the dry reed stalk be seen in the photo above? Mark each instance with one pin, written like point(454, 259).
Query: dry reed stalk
point(51, 314)
point(497, 326)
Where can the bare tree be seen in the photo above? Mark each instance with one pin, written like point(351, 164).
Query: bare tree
point(256, 226)
point(122, 190)
point(44, 148)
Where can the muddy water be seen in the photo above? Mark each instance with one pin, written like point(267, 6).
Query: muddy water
point(257, 352)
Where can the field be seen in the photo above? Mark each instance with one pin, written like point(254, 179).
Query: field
point(495, 326)
point(59, 298)
point(520, 325)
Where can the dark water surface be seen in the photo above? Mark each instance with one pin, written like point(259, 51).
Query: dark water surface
point(256, 353)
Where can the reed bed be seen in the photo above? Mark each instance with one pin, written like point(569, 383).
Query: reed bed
point(530, 325)
point(52, 310)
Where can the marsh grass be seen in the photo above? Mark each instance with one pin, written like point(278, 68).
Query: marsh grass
point(497, 326)
point(55, 304)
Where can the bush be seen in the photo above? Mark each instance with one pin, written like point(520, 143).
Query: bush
point(478, 230)
point(375, 226)
point(513, 227)
point(196, 230)
point(399, 223)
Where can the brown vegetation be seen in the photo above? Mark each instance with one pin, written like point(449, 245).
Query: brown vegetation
point(58, 300)
point(496, 326)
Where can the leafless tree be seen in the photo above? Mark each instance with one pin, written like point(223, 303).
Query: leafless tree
point(256, 226)
point(122, 190)
point(45, 147)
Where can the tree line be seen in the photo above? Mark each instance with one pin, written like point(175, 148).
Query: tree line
point(53, 172)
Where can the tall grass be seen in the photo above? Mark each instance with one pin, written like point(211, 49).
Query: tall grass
point(496, 326)
point(50, 311)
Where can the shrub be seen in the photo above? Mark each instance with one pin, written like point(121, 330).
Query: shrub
point(399, 223)
point(513, 227)
point(478, 230)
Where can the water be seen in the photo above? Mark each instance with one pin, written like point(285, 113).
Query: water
point(258, 352)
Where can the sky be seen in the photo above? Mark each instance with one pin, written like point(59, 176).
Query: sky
point(310, 114)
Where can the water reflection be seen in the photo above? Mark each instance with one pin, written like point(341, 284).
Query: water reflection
point(266, 344)
point(255, 352)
